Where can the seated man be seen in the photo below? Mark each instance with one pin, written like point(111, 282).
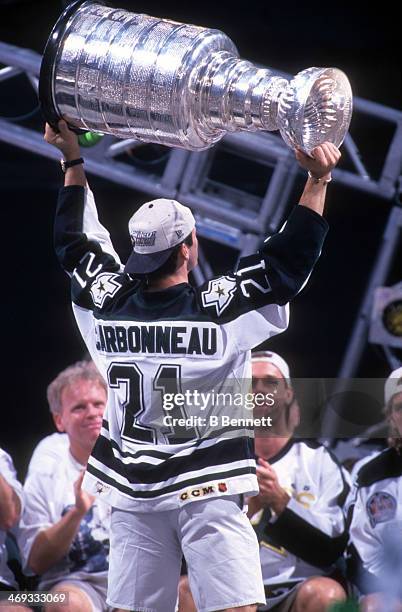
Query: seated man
point(376, 516)
point(298, 514)
point(64, 532)
point(11, 500)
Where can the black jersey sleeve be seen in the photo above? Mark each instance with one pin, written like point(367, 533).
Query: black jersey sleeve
point(84, 248)
point(274, 275)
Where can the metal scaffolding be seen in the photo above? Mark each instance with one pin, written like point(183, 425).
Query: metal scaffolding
point(226, 213)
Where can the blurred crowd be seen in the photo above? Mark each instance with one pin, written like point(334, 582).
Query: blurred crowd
point(330, 536)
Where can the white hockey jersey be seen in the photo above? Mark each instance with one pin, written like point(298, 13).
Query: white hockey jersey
point(310, 534)
point(375, 514)
point(149, 345)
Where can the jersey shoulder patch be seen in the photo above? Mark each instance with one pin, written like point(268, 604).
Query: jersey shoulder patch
point(219, 293)
point(381, 507)
point(105, 286)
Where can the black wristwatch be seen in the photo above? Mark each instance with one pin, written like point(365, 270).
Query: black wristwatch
point(69, 164)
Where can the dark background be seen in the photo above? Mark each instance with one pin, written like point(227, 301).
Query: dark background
point(38, 332)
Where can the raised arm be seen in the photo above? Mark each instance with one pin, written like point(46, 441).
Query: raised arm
point(291, 254)
point(67, 142)
point(281, 268)
point(83, 246)
point(51, 543)
point(324, 159)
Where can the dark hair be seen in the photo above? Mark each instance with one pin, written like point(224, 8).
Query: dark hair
point(170, 265)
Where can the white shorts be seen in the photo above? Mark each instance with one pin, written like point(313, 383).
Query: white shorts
point(217, 541)
point(95, 593)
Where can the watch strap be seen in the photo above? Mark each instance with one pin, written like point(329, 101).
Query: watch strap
point(69, 164)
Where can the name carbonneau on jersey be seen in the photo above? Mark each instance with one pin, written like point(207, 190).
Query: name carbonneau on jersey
point(163, 338)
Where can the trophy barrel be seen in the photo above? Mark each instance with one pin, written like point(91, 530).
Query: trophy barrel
point(131, 75)
point(110, 71)
point(47, 69)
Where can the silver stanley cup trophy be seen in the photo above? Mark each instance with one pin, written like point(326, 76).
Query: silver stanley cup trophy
point(134, 76)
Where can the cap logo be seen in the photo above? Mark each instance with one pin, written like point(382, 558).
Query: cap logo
point(179, 233)
point(143, 239)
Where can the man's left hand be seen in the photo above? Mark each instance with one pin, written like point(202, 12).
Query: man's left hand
point(323, 159)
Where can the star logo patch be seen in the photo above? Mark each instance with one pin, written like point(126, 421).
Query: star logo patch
point(219, 294)
point(105, 286)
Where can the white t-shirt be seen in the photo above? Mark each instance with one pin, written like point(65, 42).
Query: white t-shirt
point(49, 494)
point(8, 472)
point(49, 450)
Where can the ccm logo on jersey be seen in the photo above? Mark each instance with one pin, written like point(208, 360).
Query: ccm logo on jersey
point(194, 493)
point(105, 286)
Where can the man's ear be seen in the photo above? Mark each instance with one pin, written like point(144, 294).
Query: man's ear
point(58, 421)
point(184, 254)
point(185, 251)
point(294, 415)
point(289, 396)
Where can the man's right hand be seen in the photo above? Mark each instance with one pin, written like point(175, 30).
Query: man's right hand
point(65, 140)
point(53, 543)
point(271, 494)
point(83, 500)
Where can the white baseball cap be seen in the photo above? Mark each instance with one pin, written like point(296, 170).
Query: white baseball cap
point(155, 229)
point(276, 360)
point(393, 384)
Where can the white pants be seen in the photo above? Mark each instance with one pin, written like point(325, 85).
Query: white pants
point(217, 541)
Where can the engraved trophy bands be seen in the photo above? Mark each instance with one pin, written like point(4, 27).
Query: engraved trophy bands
point(134, 76)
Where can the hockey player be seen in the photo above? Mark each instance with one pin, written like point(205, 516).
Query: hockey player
point(154, 336)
